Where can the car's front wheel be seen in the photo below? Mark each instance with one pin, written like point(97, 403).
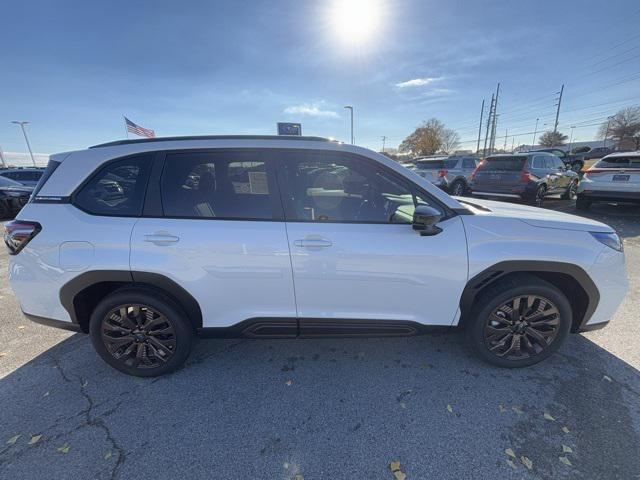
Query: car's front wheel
point(459, 188)
point(538, 197)
point(141, 333)
point(518, 322)
point(570, 192)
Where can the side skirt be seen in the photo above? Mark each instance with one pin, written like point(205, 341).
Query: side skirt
point(319, 328)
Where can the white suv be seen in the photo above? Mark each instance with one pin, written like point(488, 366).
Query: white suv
point(144, 243)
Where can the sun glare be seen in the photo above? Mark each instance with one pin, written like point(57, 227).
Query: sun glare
point(355, 21)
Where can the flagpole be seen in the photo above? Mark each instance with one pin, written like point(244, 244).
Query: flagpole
point(126, 131)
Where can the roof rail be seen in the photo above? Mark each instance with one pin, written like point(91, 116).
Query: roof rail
point(212, 137)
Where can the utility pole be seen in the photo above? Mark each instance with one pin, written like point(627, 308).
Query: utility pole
point(384, 139)
point(350, 108)
point(486, 133)
point(535, 131)
point(506, 134)
point(513, 143)
point(480, 127)
point(606, 133)
point(555, 127)
point(571, 137)
point(24, 132)
point(4, 163)
point(495, 121)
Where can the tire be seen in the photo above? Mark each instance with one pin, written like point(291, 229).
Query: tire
point(483, 334)
point(582, 203)
point(458, 188)
point(4, 210)
point(157, 349)
point(570, 193)
point(538, 198)
point(577, 166)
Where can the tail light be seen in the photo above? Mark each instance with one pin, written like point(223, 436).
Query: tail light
point(475, 170)
point(525, 176)
point(18, 233)
point(442, 173)
point(594, 172)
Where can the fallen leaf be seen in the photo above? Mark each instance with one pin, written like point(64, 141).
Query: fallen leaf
point(403, 404)
point(85, 383)
point(399, 475)
point(566, 461)
point(2, 354)
point(518, 410)
point(46, 394)
point(288, 383)
point(35, 439)
point(526, 461)
point(64, 448)
point(298, 477)
point(425, 366)
point(13, 439)
point(107, 455)
point(565, 430)
point(566, 449)
point(21, 327)
point(449, 409)
point(511, 464)
point(394, 466)
point(607, 378)
point(501, 408)
point(509, 452)
point(549, 417)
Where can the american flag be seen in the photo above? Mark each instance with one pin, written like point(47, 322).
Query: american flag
point(138, 130)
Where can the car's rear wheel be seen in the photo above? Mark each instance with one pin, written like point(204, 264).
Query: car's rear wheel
point(519, 322)
point(141, 333)
point(582, 203)
point(538, 196)
point(570, 193)
point(458, 188)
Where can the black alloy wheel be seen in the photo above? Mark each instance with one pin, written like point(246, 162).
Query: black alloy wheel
point(138, 336)
point(522, 327)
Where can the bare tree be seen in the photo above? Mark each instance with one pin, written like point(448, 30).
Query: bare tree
point(430, 137)
point(552, 139)
point(624, 127)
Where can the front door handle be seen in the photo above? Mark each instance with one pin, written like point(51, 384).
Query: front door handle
point(161, 238)
point(313, 243)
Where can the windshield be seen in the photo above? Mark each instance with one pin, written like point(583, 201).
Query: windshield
point(435, 164)
point(503, 164)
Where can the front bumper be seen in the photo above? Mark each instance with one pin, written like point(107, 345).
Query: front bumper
point(51, 322)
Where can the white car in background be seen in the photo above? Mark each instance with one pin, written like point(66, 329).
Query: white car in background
point(267, 237)
point(614, 178)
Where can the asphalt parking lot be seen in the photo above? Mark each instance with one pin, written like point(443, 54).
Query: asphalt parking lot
point(320, 409)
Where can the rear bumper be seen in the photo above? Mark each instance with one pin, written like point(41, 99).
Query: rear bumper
point(611, 196)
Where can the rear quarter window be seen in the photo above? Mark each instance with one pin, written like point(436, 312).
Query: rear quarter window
point(619, 162)
point(117, 189)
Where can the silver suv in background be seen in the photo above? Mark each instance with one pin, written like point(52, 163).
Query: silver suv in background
point(452, 174)
point(615, 178)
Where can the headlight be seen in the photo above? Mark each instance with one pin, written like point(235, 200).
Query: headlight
point(611, 240)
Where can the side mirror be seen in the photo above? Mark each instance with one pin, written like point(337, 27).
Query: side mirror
point(425, 219)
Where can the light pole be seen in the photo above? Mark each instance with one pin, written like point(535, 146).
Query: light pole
point(24, 132)
point(350, 108)
point(571, 137)
point(606, 133)
point(535, 132)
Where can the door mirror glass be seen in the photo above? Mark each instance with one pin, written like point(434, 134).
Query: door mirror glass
point(425, 219)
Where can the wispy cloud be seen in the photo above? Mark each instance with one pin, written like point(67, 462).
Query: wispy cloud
point(310, 110)
point(438, 92)
point(418, 82)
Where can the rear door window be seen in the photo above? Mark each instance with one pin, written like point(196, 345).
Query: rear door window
point(219, 185)
point(498, 164)
point(117, 189)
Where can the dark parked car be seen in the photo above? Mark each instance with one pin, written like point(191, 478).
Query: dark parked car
point(24, 176)
point(527, 176)
point(575, 161)
point(13, 196)
point(598, 152)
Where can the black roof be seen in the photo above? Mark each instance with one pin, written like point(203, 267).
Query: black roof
point(212, 137)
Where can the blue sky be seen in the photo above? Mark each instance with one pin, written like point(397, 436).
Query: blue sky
point(73, 68)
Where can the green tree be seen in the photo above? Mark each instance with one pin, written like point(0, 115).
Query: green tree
point(552, 139)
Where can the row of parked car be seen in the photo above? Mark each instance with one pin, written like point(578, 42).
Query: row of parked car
point(532, 176)
point(16, 186)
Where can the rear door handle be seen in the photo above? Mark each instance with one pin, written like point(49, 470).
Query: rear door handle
point(161, 238)
point(313, 243)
